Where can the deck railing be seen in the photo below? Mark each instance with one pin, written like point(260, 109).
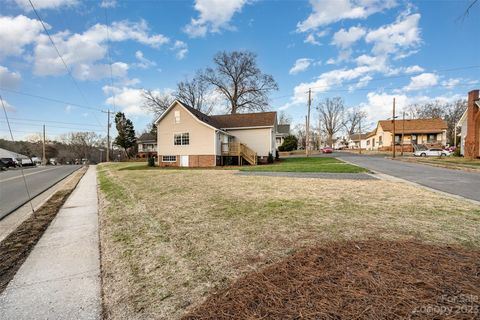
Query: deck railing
point(237, 149)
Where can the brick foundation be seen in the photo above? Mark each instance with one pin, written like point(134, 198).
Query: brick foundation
point(193, 161)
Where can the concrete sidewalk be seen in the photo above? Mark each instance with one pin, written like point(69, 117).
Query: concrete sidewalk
point(61, 277)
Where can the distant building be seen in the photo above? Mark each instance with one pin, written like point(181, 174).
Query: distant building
point(283, 130)
point(147, 144)
point(470, 127)
point(430, 133)
point(357, 140)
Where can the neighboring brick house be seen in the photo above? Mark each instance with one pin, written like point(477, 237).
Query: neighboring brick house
point(470, 127)
point(188, 138)
point(147, 144)
point(427, 132)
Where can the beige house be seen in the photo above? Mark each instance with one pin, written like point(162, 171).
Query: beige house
point(414, 132)
point(188, 138)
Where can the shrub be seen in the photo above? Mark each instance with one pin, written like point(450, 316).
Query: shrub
point(270, 158)
point(151, 161)
point(281, 148)
point(290, 143)
point(456, 153)
point(277, 156)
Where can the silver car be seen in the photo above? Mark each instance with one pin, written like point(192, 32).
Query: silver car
point(432, 152)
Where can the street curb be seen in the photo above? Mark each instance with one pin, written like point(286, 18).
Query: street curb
point(387, 177)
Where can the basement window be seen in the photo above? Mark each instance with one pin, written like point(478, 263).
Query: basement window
point(169, 158)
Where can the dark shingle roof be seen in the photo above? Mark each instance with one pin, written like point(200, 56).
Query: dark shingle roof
point(238, 120)
point(147, 137)
point(283, 128)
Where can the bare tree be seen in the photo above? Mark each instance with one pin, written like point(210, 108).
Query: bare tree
point(453, 113)
point(352, 119)
point(194, 93)
point(331, 112)
point(238, 78)
point(156, 102)
point(284, 118)
point(301, 135)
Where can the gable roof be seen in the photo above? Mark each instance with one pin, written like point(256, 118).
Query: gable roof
point(147, 136)
point(434, 125)
point(239, 120)
point(357, 137)
point(244, 120)
point(283, 128)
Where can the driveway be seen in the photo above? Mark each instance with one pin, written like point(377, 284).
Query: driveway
point(457, 182)
point(12, 186)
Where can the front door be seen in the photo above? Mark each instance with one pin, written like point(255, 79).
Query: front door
point(183, 161)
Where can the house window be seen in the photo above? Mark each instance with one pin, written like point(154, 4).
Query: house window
point(181, 139)
point(169, 158)
point(368, 142)
point(432, 138)
point(177, 116)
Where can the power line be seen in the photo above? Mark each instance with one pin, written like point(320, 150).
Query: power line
point(58, 52)
point(49, 99)
point(54, 126)
point(52, 121)
point(401, 76)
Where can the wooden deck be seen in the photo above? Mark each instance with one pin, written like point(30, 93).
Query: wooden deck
point(240, 150)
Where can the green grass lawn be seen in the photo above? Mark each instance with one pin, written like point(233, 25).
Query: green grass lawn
point(314, 164)
point(303, 164)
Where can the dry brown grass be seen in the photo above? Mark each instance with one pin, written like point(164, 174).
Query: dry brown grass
point(169, 237)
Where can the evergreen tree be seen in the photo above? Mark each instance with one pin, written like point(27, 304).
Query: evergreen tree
point(126, 133)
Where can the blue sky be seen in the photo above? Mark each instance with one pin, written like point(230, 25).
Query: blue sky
point(366, 51)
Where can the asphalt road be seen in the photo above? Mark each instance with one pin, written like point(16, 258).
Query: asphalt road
point(39, 179)
point(457, 182)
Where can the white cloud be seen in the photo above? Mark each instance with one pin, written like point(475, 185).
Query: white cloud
point(69, 108)
point(414, 69)
point(86, 71)
point(450, 83)
point(108, 3)
point(143, 63)
point(181, 48)
point(9, 79)
point(46, 4)
point(397, 38)
point(130, 100)
point(8, 106)
point(311, 39)
point(422, 81)
point(214, 15)
point(16, 33)
point(326, 12)
point(345, 38)
point(82, 52)
point(379, 105)
point(300, 65)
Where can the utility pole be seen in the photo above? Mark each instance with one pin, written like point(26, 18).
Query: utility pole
point(393, 131)
point(403, 130)
point(44, 160)
point(108, 134)
point(307, 142)
point(360, 136)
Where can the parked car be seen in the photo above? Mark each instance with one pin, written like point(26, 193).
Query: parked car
point(8, 162)
point(326, 150)
point(432, 152)
point(27, 162)
point(3, 166)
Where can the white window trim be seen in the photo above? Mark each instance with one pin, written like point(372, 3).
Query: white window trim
point(181, 145)
point(163, 158)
